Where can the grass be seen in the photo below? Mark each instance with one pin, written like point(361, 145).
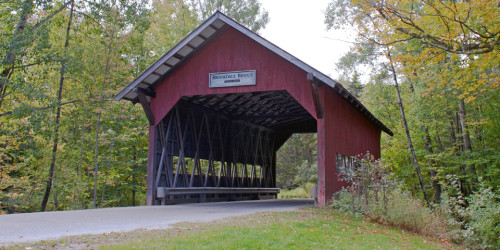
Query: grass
point(293, 193)
point(299, 192)
point(311, 228)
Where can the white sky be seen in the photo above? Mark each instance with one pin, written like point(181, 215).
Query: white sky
point(298, 27)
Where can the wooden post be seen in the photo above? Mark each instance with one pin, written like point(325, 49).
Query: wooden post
point(316, 97)
point(150, 192)
point(145, 105)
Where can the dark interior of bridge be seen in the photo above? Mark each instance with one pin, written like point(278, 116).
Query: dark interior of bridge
point(225, 141)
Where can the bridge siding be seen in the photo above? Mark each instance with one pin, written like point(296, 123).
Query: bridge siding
point(345, 131)
point(342, 130)
point(232, 51)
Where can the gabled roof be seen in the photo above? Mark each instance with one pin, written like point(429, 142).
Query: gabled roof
point(201, 35)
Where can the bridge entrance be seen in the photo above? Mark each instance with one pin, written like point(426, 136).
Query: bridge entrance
point(223, 147)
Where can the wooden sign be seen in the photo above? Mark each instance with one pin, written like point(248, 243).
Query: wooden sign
point(235, 78)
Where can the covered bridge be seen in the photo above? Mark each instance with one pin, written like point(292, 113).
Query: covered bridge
point(223, 101)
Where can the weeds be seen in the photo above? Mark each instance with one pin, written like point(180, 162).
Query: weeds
point(473, 221)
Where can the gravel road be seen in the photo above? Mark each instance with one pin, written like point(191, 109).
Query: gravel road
point(51, 225)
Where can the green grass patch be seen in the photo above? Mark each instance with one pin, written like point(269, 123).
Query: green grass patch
point(299, 192)
point(311, 228)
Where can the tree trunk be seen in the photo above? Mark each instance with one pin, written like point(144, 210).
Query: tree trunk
point(80, 161)
point(463, 125)
point(467, 146)
point(403, 117)
point(133, 175)
point(103, 87)
point(435, 183)
point(8, 62)
point(58, 119)
point(451, 129)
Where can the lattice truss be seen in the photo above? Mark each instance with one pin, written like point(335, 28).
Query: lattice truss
point(224, 146)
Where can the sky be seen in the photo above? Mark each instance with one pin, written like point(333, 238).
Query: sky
point(298, 27)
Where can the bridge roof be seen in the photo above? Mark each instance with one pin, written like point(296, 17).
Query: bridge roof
point(195, 40)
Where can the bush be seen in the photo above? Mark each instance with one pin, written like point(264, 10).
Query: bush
point(400, 209)
point(484, 215)
point(475, 220)
point(300, 192)
point(374, 195)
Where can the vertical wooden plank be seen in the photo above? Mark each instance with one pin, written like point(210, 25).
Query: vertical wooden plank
point(151, 165)
point(321, 163)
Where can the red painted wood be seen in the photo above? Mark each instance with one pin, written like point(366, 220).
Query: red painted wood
point(322, 165)
point(151, 163)
point(232, 51)
point(342, 130)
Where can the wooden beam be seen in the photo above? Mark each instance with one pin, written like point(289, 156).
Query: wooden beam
point(145, 105)
point(221, 115)
point(148, 92)
point(315, 94)
point(213, 27)
point(156, 74)
point(168, 65)
point(178, 57)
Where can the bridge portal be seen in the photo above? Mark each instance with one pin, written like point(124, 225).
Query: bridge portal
point(223, 101)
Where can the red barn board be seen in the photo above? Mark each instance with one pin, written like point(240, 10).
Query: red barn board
point(222, 102)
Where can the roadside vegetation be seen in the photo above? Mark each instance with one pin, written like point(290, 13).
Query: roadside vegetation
point(429, 70)
point(472, 222)
point(309, 228)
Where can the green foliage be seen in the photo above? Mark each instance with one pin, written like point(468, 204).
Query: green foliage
point(484, 216)
point(296, 162)
point(449, 92)
point(300, 192)
point(248, 12)
point(474, 220)
point(110, 42)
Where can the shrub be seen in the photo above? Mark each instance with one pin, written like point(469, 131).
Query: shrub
point(374, 195)
point(484, 217)
point(474, 221)
point(400, 209)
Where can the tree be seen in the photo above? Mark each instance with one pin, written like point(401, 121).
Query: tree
point(247, 12)
point(447, 60)
point(59, 93)
point(297, 162)
point(50, 180)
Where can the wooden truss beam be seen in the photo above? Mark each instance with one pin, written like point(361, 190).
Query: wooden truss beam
point(206, 156)
point(141, 94)
point(315, 94)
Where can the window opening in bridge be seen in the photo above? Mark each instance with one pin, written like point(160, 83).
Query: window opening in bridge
point(346, 164)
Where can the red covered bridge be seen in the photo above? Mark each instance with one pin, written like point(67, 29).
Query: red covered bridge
point(223, 101)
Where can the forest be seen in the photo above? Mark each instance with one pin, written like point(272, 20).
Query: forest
point(431, 67)
point(65, 142)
